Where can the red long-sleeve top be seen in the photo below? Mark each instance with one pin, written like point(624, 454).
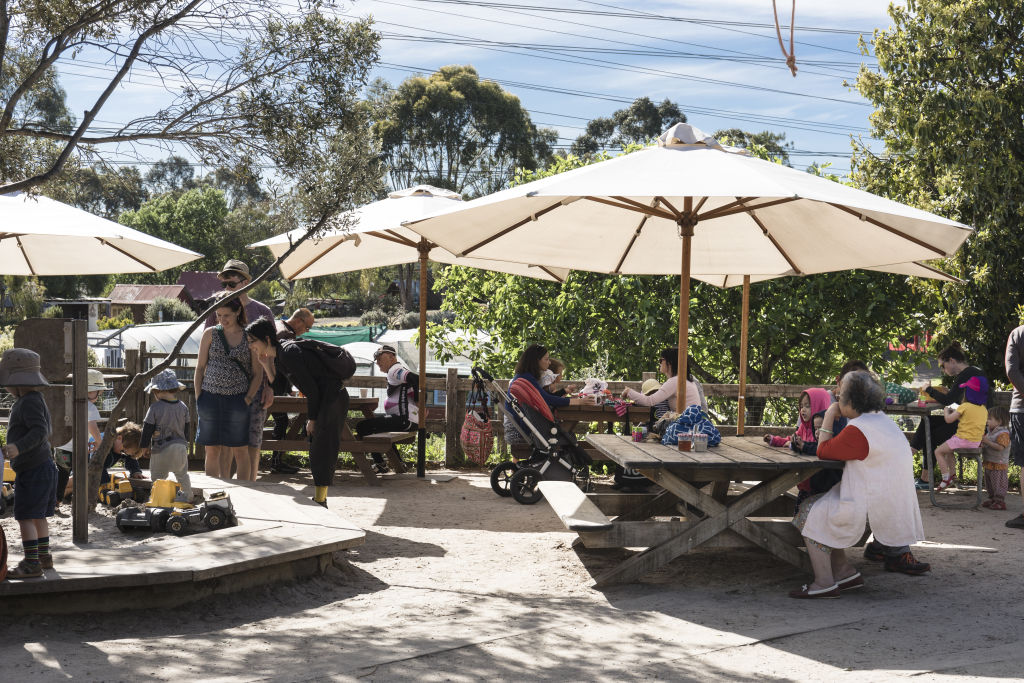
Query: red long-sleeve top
point(851, 444)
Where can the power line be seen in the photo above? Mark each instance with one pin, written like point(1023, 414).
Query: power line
point(617, 66)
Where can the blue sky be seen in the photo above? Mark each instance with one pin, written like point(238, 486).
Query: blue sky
point(572, 60)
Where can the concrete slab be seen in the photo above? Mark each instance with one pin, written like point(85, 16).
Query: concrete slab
point(275, 529)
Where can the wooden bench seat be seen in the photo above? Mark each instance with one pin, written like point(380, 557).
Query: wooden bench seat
point(577, 512)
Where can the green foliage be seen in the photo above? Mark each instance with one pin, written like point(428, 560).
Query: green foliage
point(774, 145)
point(112, 323)
point(165, 309)
point(949, 98)
point(53, 312)
point(453, 130)
point(374, 316)
point(26, 295)
point(640, 122)
point(404, 321)
point(100, 191)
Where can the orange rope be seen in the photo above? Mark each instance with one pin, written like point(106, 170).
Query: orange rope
point(791, 55)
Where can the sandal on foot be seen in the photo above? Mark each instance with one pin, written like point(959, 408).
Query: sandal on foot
point(851, 582)
point(25, 570)
point(943, 485)
point(805, 592)
point(997, 505)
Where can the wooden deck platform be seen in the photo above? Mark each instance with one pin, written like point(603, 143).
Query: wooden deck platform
point(280, 535)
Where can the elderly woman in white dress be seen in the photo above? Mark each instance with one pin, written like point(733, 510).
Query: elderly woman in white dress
point(876, 488)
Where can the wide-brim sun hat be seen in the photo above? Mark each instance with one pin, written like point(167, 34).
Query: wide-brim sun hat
point(650, 386)
point(20, 368)
point(235, 266)
point(165, 380)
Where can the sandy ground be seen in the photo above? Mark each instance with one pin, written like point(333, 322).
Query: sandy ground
point(457, 584)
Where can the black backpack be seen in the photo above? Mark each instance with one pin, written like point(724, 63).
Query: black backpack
point(339, 362)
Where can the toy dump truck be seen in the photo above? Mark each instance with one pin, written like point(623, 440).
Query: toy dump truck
point(164, 513)
point(116, 490)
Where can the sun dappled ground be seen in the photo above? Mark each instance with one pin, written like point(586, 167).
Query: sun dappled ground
point(455, 583)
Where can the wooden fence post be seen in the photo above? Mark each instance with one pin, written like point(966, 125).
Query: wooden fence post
point(140, 398)
point(452, 420)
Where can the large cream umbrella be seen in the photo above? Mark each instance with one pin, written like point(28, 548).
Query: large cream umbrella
point(913, 269)
point(373, 236)
point(41, 236)
point(693, 207)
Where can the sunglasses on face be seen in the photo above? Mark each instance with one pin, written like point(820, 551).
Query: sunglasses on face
point(230, 284)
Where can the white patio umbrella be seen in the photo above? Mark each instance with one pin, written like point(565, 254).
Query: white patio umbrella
point(693, 207)
point(374, 237)
point(41, 236)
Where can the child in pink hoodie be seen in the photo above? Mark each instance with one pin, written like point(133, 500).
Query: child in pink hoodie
point(812, 402)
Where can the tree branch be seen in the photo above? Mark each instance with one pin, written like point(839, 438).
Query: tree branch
point(90, 115)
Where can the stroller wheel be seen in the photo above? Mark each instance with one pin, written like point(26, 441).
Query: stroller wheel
point(501, 477)
point(524, 486)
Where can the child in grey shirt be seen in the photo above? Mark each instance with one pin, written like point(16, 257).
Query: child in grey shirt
point(163, 432)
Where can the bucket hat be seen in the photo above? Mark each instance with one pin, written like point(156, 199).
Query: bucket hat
point(165, 380)
point(20, 368)
point(96, 381)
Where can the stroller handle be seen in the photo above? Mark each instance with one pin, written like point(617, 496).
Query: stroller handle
point(481, 374)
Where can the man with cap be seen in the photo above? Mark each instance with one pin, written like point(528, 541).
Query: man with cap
point(234, 275)
point(301, 322)
point(401, 412)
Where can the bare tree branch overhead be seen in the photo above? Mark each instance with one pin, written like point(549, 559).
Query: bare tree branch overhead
point(228, 71)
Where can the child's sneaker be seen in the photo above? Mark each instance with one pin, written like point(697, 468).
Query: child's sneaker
point(46, 561)
point(25, 570)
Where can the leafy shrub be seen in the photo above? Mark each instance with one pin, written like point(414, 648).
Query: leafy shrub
point(441, 317)
point(28, 299)
point(53, 312)
point(173, 310)
point(404, 321)
point(112, 323)
point(374, 317)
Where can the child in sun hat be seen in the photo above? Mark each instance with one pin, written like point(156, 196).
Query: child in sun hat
point(28, 449)
point(972, 415)
point(163, 432)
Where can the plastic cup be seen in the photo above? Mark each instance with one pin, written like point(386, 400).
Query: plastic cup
point(685, 442)
point(700, 442)
point(363, 393)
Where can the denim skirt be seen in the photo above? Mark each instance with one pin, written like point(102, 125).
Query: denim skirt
point(223, 420)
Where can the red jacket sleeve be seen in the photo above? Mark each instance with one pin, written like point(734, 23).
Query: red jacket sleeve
point(849, 445)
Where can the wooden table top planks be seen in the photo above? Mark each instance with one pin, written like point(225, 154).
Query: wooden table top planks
point(734, 452)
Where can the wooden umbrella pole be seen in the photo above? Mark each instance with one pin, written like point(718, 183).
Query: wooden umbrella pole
point(421, 443)
point(741, 399)
point(686, 224)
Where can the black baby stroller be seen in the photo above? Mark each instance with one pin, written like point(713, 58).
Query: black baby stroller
point(555, 454)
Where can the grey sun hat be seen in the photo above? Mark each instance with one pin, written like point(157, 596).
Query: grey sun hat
point(385, 348)
point(96, 381)
point(165, 380)
point(20, 368)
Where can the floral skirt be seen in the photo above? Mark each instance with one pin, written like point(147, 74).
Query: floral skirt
point(801, 519)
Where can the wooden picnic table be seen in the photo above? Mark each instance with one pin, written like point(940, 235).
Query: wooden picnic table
point(725, 521)
point(573, 415)
point(359, 448)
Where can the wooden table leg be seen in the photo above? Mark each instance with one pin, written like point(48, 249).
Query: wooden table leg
point(395, 458)
point(720, 517)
